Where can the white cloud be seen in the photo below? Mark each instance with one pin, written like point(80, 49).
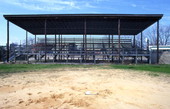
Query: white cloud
point(101, 0)
point(44, 5)
point(59, 2)
point(55, 5)
point(134, 5)
point(166, 17)
point(51, 5)
point(89, 5)
point(27, 6)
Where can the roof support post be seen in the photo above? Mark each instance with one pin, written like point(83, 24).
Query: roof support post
point(148, 50)
point(55, 44)
point(83, 41)
point(119, 37)
point(35, 40)
point(59, 47)
point(148, 44)
point(55, 47)
point(109, 44)
point(134, 46)
point(85, 36)
point(108, 51)
point(94, 56)
point(112, 48)
point(157, 42)
point(141, 44)
point(45, 32)
point(35, 56)
point(7, 41)
point(83, 49)
point(112, 42)
point(134, 41)
point(26, 46)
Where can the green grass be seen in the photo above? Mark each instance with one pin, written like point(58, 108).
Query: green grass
point(13, 68)
point(145, 67)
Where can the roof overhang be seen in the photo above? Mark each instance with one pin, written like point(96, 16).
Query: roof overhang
point(74, 24)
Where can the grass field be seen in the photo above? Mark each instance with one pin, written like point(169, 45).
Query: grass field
point(13, 68)
point(145, 67)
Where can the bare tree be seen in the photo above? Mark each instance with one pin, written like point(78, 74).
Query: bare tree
point(31, 41)
point(164, 35)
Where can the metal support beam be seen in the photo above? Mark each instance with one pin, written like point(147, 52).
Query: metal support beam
point(85, 36)
point(108, 51)
point(26, 46)
point(119, 37)
point(55, 44)
point(134, 41)
point(157, 42)
point(148, 44)
point(112, 48)
point(61, 45)
point(45, 32)
point(83, 41)
point(134, 46)
point(141, 43)
point(148, 50)
point(7, 41)
point(123, 56)
point(94, 56)
point(136, 57)
point(141, 40)
point(109, 43)
point(82, 51)
point(55, 48)
point(35, 40)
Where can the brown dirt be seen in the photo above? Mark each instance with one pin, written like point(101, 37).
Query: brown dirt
point(65, 89)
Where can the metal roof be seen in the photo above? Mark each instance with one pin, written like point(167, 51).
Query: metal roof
point(96, 24)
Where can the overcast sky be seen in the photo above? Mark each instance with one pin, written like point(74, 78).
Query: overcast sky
point(77, 7)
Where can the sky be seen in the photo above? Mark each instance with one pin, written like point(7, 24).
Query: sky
point(17, 34)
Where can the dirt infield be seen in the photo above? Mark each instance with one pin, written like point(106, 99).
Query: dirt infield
point(65, 89)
